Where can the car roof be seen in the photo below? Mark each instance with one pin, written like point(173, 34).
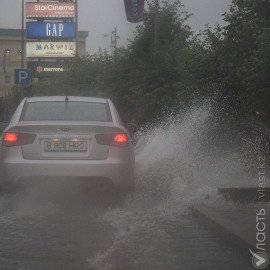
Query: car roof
point(70, 98)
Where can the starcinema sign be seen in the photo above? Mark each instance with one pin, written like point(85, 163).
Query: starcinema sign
point(50, 49)
point(50, 10)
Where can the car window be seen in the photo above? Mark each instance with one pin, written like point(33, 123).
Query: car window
point(66, 111)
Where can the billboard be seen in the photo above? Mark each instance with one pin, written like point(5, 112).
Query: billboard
point(50, 30)
point(50, 10)
point(50, 49)
point(40, 69)
point(134, 10)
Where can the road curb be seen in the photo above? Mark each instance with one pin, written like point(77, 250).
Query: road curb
point(244, 195)
point(228, 237)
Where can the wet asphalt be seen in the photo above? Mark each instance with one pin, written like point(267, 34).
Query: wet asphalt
point(53, 229)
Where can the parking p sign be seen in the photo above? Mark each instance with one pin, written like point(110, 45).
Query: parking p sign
point(23, 77)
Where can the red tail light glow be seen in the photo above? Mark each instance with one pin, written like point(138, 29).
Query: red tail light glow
point(14, 138)
point(10, 137)
point(120, 138)
point(114, 139)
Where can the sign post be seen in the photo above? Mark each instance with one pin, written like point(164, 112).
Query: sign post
point(22, 77)
point(53, 27)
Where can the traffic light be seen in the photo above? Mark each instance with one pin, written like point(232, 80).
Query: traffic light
point(134, 10)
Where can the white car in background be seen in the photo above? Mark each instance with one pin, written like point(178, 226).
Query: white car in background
point(68, 137)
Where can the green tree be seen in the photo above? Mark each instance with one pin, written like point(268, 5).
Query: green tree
point(239, 54)
point(233, 59)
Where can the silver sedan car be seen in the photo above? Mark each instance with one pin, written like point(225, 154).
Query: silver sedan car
point(68, 137)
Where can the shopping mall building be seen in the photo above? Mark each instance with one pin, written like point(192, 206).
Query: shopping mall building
point(10, 54)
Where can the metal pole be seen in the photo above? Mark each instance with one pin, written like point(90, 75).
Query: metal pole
point(156, 26)
point(4, 67)
point(77, 26)
point(22, 46)
point(6, 51)
point(22, 43)
point(5, 101)
point(115, 40)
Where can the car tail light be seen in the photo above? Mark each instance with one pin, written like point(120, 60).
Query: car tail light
point(15, 138)
point(115, 139)
point(120, 138)
point(10, 137)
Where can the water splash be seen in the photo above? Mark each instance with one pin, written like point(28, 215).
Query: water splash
point(174, 167)
point(167, 156)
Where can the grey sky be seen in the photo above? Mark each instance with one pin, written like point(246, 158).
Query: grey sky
point(101, 16)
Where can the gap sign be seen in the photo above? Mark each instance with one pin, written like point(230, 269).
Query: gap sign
point(50, 30)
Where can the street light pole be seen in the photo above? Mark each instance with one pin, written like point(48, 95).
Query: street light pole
point(22, 42)
point(4, 68)
point(77, 26)
point(6, 51)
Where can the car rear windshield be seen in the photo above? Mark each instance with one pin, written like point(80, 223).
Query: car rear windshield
point(66, 111)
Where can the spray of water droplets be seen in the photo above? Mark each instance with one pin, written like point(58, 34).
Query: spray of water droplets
point(174, 168)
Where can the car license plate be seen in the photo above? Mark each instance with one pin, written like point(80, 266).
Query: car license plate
point(65, 146)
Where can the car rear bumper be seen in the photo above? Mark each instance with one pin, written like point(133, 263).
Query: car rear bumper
point(120, 174)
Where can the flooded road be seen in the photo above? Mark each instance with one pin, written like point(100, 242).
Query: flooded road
point(75, 235)
point(59, 227)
